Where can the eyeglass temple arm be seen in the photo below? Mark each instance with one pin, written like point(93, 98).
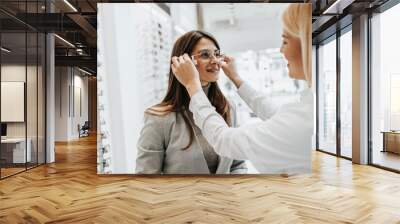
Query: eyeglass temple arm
point(194, 60)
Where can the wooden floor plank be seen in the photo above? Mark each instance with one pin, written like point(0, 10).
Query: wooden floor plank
point(70, 191)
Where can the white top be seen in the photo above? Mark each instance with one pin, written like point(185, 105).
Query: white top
point(280, 143)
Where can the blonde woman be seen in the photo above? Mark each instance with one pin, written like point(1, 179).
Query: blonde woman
point(281, 142)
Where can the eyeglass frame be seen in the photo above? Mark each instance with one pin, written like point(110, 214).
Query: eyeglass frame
point(213, 54)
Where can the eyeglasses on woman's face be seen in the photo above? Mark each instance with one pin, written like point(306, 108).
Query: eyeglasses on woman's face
point(207, 55)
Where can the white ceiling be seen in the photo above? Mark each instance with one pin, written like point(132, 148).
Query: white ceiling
point(256, 25)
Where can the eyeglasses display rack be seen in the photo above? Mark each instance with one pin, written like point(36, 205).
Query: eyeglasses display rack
point(103, 134)
point(152, 58)
point(135, 71)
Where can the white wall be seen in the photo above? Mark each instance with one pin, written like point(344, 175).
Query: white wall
point(12, 101)
point(61, 103)
point(33, 126)
point(17, 73)
point(255, 26)
point(184, 17)
point(68, 81)
point(79, 117)
point(14, 73)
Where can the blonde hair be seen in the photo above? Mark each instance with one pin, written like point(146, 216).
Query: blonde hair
point(297, 22)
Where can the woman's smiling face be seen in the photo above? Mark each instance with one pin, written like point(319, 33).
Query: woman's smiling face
point(291, 49)
point(208, 69)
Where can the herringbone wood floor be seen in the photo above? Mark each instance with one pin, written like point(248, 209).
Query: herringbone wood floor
point(70, 191)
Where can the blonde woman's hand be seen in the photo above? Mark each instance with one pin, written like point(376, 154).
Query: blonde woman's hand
point(186, 73)
point(229, 67)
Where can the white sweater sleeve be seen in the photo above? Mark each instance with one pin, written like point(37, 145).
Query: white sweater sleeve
point(279, 144)
point(259, 103)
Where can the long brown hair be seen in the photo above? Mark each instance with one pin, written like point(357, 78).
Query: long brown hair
point(177, 98)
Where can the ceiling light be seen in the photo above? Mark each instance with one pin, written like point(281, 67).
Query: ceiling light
point(5, 49)
point(337, 7)
point(84, 71)
point(70, 5)
point(232, 14)
point(65, 41)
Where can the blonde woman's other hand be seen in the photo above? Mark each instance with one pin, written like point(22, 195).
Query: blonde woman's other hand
point(229, 67)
